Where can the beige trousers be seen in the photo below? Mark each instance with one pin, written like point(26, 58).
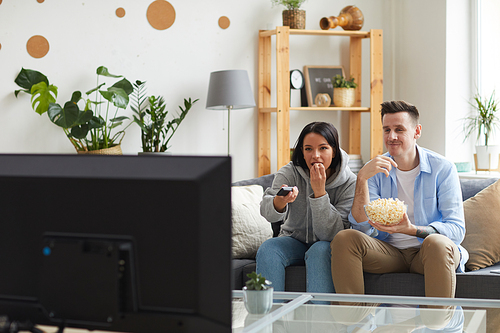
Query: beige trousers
point(354, 252)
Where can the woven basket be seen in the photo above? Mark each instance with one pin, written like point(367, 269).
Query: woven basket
point(295, 18)
point(344, 97)
point(115, 150)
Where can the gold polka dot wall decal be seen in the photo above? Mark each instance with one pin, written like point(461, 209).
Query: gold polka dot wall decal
point(224, 22)
point(120, 12)
point(161, 14)
point(40, 1)
point(37, 46)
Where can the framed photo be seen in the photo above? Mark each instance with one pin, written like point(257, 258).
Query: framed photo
point(319, 79)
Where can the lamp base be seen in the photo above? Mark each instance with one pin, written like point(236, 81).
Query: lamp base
point(229, 107)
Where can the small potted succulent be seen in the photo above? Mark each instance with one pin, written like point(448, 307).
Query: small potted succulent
point(293, 17)
point(484, 121)
point(257, 294)
point(344, 91)
point(151, 116)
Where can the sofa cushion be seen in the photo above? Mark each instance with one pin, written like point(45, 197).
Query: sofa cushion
point(470, 187)
point(482, 226)
point(264, 181)
point(240, 272)
point(250, 229)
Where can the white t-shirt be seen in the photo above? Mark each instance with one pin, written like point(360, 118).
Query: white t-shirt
point(406, 186)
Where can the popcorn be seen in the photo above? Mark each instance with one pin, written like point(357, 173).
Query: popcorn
point(386, 211)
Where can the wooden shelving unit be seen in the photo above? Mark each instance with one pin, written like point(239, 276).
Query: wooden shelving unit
point(283, 108)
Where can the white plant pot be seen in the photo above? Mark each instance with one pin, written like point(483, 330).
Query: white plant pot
point(258, 301)
point(487, 157)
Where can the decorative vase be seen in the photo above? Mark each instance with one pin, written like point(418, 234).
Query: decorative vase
point(115, 150)
point(258, 301)
point(322, 100)
point(344, 97)
point(350, 18)
point(487, 158)
point(294, 18)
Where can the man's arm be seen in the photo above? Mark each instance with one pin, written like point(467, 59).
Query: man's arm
point(405, 227)
point(378, 164)
point(361, 198)
point(423, 232)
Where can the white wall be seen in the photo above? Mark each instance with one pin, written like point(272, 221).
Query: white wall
point(433, 55)
point(489, 50)
point(420, 65)
point(177, 63)
point(460, 77)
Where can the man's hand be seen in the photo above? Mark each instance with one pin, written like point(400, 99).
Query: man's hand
point(403, 227)
point(378, 164)
point(280, 202)
point(362, 197)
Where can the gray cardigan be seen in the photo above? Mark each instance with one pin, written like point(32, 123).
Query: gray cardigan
point(310, 219)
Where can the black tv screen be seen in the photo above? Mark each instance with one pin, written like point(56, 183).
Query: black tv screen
point(120, 243)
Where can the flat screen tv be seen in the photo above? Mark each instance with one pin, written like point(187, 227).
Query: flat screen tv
point(117, 243)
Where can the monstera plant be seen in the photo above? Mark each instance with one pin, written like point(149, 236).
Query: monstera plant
point(89, 122)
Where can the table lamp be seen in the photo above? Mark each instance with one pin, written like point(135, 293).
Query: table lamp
point(229, 89)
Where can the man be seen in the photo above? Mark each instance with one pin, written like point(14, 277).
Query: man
point(427, 239)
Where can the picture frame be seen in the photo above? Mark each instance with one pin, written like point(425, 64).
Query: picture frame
point(319, 79)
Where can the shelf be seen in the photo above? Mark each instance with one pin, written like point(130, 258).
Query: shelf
point(316, 108)
point(282, 109)
point(360, 34)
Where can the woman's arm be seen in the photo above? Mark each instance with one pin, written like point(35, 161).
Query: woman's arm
point(330, 212)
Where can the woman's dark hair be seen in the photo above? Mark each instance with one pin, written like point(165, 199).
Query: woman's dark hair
point(329, 132)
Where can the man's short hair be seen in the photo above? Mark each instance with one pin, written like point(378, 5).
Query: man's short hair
point(399, 106)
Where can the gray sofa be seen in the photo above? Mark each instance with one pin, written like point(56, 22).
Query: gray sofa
point(474, 284)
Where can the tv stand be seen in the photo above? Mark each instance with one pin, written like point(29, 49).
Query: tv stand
point(7, 326)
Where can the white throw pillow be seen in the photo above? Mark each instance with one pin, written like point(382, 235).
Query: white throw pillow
point(250, 229)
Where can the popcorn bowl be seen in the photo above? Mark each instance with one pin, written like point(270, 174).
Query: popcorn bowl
point(386, 211)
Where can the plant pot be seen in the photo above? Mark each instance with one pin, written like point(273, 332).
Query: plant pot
point(258, 301)
point(487, 158)
point(295, 18)
point(344, 97)
point(115, 150)
point(155, 153)
point(463, 166)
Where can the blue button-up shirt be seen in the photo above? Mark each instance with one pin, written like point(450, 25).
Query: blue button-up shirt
point(437, 199)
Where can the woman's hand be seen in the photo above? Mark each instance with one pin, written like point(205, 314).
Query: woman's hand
point(318, 179)
point(280, 202)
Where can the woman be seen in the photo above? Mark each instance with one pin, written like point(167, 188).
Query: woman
point(312, 213)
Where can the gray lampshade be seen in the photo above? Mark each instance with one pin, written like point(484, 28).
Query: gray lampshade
point(229, 88)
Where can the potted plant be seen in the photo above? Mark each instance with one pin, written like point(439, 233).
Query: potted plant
point(151, 115)
point(484, 121)
point(257, 294)
point(344, 91)
point(293, 17)
point(88, 124)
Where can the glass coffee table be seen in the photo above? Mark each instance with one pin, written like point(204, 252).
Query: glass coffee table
point(300, 312)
